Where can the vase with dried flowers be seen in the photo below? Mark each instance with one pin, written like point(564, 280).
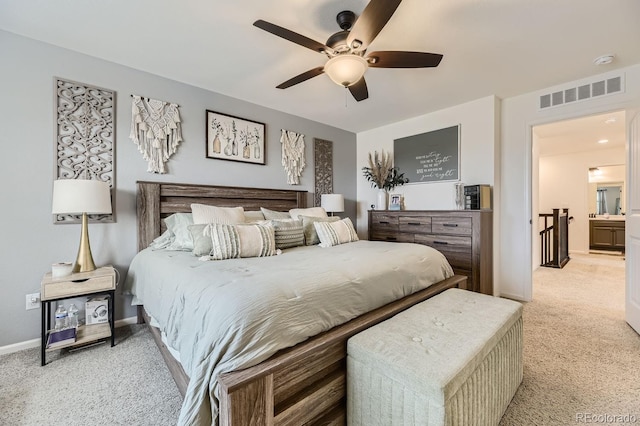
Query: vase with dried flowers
point(383, 175)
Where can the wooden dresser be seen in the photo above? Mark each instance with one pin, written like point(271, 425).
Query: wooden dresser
point(465, 237)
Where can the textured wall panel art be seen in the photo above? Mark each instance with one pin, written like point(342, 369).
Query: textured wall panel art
point(85, 137)
point(323, 161)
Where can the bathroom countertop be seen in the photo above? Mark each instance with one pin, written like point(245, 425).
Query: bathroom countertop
point(611, 217)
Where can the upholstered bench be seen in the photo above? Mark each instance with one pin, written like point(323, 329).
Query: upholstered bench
point(455, 359)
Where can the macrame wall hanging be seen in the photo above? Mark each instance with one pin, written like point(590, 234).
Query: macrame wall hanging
point(85, 137)
point(156, 129)
point(292, 155)
point(323, 160)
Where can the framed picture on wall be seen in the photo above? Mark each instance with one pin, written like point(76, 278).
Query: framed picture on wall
point(234, 138)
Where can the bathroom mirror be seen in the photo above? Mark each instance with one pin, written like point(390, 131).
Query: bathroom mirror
point(607, 189)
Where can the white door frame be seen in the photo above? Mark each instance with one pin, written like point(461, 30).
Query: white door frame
point(561, 116)
point(632, 234)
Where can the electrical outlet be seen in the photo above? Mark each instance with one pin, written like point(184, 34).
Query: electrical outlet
point(33, 301)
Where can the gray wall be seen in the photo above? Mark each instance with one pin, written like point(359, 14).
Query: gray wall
point(30, 241)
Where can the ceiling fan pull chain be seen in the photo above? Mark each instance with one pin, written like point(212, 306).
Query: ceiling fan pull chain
point(346, 97)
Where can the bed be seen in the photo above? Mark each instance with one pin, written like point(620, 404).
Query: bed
point(302, 382)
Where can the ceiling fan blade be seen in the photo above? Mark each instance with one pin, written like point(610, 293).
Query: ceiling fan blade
point(301, 77)
point(400, 59)
point(373, 18)
point(292, 36)
point(359, 90)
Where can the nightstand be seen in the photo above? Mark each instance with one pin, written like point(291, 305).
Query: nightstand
point(100, 281)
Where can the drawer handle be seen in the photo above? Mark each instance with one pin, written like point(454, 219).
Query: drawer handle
point(414, 223)
point(391, 238)
point(383, 222)
point(80, 280)
point(444, 243)
point(450, 225)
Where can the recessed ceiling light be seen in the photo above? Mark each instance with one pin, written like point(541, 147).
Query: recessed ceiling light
point(603, 141)
point(603, 60)
point(610, 120)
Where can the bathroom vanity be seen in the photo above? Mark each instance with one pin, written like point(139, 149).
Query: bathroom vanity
point(606, 234)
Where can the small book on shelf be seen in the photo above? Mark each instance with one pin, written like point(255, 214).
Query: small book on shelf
point(61, 337)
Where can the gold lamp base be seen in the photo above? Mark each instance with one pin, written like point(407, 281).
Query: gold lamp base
point(84, 261)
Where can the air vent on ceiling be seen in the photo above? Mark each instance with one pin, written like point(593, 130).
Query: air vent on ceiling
point(581, 93)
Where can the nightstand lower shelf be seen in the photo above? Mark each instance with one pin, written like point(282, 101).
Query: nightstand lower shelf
point(87, 334)
point(102, 281)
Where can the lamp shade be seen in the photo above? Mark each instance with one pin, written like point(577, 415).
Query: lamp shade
point(346, 69)
point(332, 202)
point(76, 196)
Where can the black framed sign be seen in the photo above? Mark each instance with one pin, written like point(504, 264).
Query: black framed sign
point(429, 157)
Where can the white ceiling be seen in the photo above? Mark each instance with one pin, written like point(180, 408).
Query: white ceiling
point(582, 134)
point(501, 47)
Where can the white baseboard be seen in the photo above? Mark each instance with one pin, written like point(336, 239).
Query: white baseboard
point(35, 343)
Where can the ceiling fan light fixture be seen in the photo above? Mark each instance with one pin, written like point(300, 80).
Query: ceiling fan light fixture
point(346, 70)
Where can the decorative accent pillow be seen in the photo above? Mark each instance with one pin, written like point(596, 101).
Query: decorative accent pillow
point(221, 241)
point(311, 211)
point(178, 225)
point(288, 232)
point(310, 234)
point(272, 214)
point(334, 233)
point(253, 216)
point(203, 213)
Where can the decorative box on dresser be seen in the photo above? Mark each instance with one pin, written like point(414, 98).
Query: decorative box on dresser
point(465, 237)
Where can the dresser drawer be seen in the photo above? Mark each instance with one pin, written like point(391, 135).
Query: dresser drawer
point(451, 225)
point(382, 235)
point(415, 224)
point(384, 222)
point(457, 250)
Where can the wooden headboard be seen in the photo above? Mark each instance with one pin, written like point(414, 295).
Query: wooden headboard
point(157, 200)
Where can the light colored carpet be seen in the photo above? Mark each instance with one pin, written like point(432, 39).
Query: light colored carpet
point(128, 384)
point(580, 356)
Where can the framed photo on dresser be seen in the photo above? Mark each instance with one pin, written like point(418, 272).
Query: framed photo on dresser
point(395, 202)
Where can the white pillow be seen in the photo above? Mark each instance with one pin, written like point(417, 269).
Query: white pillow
point(203, 213)
point(253, 216)
point(334, 233)
point(272, 214)
point(311, 211)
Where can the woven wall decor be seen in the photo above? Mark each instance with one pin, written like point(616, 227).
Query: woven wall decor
point(323, 160)
point(85, 137)
point(292, 155)
point(156, 129)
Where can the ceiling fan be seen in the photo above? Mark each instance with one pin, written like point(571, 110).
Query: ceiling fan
point(347, 49)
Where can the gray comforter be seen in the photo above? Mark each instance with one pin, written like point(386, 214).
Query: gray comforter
point(231, 314)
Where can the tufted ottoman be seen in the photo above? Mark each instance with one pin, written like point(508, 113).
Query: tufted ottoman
point(455, 359)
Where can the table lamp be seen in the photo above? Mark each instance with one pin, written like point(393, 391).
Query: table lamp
point(78, 196)
point(332, 203)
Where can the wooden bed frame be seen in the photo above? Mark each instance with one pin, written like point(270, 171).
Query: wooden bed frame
point(304, 384)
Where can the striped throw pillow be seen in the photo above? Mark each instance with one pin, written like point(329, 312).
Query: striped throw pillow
point(288, 232)
point(334, 233)
point(220, 241)
point(310, 234)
